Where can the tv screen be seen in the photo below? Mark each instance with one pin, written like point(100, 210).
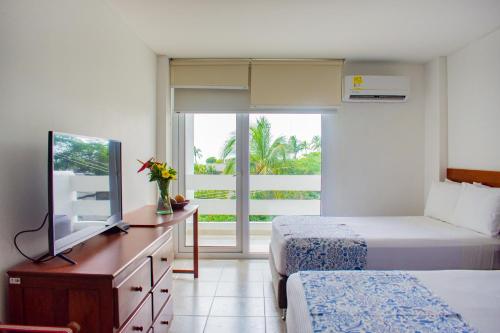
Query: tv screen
point(85, 190)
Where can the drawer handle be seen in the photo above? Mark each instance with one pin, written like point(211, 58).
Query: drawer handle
point(164, 259)
point(137, 328)
point(139, 289)
point(164, 322)
point(165, 291)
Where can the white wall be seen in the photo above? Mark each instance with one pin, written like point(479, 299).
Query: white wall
point(374, 152)
point(474, 105)
point(436, 121)
point(70, 66)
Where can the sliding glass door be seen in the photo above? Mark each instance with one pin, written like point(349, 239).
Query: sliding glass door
point(209, 179)
point(243, 170)
point(285, 171)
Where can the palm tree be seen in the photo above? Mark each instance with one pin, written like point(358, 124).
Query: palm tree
point(197, 154)
point(228, 155)
point(315, 144)
point(295, 146)
point(266, 154)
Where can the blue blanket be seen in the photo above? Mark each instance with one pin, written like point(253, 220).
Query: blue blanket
point(376, 301)
point(321, 246)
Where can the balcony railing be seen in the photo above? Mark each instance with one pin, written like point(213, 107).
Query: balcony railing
point(66, 187)
point(78, 183)
point(257, 183)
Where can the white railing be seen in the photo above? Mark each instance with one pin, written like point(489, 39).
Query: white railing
point(257, 183)
point(91, 184)
point(81, 183)
point(260, 207)
point(67, 184)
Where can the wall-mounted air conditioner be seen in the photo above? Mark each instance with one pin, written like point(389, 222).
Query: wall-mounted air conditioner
point(376, 88)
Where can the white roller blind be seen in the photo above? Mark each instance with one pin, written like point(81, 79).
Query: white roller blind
point(296, 84)
point(211, 100)
point(226, 101)
point(214, 74)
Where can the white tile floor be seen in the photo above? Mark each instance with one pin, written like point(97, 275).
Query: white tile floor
point(229, 296)
point(258, 243)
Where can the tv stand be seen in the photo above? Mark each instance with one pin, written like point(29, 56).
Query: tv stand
point(66, 258)
point(59, 255)
point(121, 227)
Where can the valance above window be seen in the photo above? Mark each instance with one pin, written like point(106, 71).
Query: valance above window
point(207, 85)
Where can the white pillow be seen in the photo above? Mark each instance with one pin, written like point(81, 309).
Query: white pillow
point(442, 200)
point(478, 209)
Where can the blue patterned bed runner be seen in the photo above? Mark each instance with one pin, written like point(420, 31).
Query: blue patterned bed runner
point(376, 301)
point(321, 245)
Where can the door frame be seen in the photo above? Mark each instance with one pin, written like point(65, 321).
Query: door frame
point(242, 248)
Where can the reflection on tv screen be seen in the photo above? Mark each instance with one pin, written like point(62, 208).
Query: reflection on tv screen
point(86, 193)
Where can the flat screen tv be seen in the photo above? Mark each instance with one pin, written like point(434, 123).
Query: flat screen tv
point(85, 189)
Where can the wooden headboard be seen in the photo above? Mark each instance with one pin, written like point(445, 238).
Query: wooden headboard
point(490, 178)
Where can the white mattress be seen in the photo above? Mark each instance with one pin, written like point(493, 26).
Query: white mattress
point(473, 294)
point(405, 243)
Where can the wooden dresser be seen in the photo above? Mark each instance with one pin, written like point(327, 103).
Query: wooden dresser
point(122, 283)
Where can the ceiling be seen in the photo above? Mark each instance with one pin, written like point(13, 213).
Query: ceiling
point(401, 30)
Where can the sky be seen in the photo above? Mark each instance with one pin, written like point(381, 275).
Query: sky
point(212, 130)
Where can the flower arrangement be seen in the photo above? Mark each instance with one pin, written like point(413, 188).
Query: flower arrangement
point(162, 174)
point(158, 171)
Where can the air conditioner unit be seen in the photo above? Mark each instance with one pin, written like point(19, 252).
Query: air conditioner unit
point(376, 88)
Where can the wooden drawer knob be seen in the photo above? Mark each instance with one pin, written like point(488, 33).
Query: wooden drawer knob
point(139, 289)
point(165, 291)
point(137, 328)
point(164, 259)
point(74, 326)
point(164, 322)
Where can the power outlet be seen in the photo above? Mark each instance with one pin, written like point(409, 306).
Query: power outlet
point(14, 280)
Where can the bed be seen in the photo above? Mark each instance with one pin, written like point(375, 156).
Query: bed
point(456, 300)
point(394, 243)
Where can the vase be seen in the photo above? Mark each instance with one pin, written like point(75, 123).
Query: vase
point(164, 206)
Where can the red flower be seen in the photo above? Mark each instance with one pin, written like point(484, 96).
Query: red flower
point(145, 165)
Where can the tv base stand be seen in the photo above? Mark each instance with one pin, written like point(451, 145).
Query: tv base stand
point(60, 255)
point(121, 227)
point(68, 259)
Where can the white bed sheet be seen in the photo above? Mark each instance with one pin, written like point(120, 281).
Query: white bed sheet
point(405, 243)
point(473, 294)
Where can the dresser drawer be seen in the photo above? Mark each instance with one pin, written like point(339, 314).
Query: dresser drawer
point(130, 292)
point(162, 259)
point(142, 320)
point(162, 292)
point(164, 320)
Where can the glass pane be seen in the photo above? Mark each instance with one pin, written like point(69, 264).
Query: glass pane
point(211, 177)
point(86, 194)
point(285, 171)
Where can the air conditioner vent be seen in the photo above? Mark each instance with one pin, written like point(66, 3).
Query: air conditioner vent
point(383, 97)
point(376, 88)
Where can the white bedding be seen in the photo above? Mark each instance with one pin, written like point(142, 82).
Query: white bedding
point(405, 243)
point(473, 294)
